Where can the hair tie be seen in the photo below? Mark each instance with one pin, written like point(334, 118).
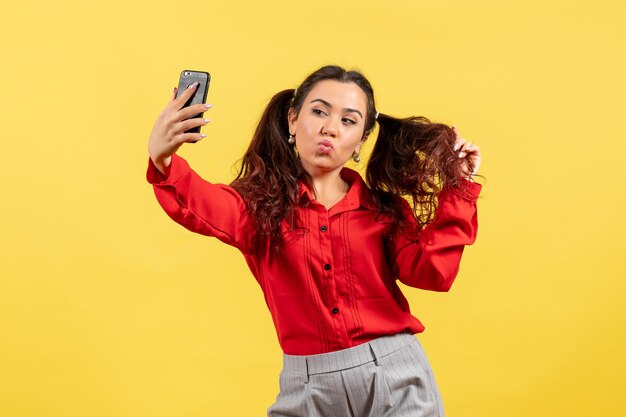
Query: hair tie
point(295, 91)
point(376, 117)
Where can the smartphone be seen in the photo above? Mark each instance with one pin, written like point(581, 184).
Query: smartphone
point(188, 77)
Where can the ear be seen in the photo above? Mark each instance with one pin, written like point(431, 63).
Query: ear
point(363, 139)
point(358, 147)
point(292, 119)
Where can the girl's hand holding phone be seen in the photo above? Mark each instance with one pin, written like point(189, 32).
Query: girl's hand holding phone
point(168, 132)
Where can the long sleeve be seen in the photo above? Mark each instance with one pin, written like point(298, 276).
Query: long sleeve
point(200, 206)
point(431, 259)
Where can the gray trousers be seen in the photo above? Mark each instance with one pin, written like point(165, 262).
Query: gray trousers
point(388, 376)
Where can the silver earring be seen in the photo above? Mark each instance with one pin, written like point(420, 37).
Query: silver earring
point(292, 139)
point(356, 158)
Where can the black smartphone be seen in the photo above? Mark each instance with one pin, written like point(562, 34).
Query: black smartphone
point(188, 77)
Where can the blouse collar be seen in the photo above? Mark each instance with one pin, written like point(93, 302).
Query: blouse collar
point(359, 194)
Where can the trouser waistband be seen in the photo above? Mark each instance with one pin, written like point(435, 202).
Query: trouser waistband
point(366, 352)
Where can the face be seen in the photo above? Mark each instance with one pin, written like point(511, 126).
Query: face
point(330, 126)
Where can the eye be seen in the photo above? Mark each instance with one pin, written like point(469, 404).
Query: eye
point(348, 121)
point(317, 111)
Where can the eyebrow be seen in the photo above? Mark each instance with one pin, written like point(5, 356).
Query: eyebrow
point(327, 104)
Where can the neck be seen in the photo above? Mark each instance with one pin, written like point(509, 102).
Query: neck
point(329, 187)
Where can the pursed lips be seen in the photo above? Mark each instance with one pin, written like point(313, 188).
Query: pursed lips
point(326, 144)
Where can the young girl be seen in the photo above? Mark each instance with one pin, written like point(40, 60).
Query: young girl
point(327, 247)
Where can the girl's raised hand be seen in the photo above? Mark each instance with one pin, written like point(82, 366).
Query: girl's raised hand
point(168, 132)
point(470, 153)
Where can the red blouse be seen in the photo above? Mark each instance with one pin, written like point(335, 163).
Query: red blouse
point(333, 285)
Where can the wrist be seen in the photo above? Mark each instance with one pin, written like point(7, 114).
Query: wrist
point(162, 164)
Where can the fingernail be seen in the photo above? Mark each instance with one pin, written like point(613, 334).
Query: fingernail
point(208, 106)
point(461, 154)
point(193, 85)
point(456, 146)
point(202, 135)
point(207, 120)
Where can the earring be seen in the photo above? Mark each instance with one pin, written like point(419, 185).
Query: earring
point(292, 139)
point(356, 158)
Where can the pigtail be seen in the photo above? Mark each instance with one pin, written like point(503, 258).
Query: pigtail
point(413, 158)
point(269, 173)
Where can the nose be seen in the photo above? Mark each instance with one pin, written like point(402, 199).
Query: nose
point(329, 128)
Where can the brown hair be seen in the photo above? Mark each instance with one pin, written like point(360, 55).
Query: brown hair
point(412, 158)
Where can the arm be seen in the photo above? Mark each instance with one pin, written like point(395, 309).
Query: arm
point(200, 206)
point(431, 259)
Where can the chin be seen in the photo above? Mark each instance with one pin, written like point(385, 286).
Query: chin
point(322, 164)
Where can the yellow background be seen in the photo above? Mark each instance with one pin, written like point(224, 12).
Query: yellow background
point(109, 308)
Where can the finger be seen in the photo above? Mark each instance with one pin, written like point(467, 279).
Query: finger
point(190, 124)
point(472, 148)
point(464, 148)
point(185, 95)
point(187, 112)
point(191, 137)
point(174, 94)
point(458, 143)
point(469, 148)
